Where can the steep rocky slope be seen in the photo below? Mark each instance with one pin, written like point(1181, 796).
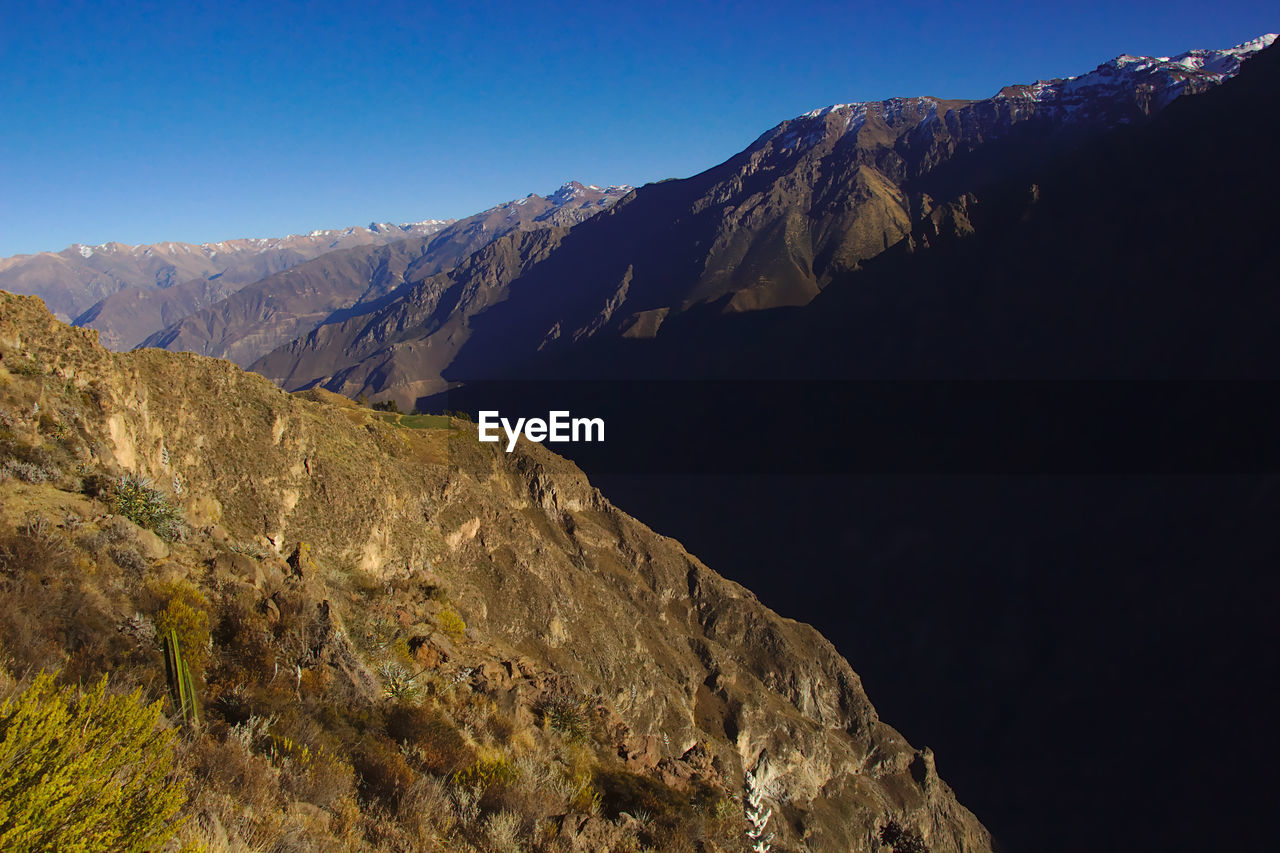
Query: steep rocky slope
point(682, 678)
point(1143, 255)
point(80, 282)
point(808, 202)
point(1114, 260)
point(277, 309)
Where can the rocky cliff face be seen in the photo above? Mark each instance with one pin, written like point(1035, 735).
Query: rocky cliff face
point(689, 677)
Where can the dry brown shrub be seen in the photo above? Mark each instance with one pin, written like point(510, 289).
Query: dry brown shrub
point(383, 774)
point(325, 780)
point(241, 790)
point(433, 740)
point(242, 637)
point(501, 727)
point(35, 548)
point(49, 608)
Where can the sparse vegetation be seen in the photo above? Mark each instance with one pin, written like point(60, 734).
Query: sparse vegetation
point(451, 624)
point(293, 743)
point(343, 701)
point(136, 499)
point(902, 839)
point(24, 367)
point(756, 813)
point(567, 715)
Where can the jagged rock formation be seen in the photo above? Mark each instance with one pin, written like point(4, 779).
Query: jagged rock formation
point(693, 676)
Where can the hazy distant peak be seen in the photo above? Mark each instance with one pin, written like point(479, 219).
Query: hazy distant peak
point(243, 245)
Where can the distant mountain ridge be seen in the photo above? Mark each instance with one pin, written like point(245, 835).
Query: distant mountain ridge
point(268, 313)
point(73, 281)
point(1109, 93)
point(809, 201)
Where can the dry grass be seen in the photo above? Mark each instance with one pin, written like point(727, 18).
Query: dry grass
point(300, 750)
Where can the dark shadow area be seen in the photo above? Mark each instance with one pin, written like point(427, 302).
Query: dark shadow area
point(1091, 658)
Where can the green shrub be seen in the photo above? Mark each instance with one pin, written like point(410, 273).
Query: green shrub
point(569, 716)
point(451, 624)
point(183, 611)
point(135, 499)
point(480, 776)
point(83, 771)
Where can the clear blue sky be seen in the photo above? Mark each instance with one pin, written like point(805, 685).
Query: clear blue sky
point(146, 122)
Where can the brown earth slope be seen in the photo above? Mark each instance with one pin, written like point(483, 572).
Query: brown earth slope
point(682, 678)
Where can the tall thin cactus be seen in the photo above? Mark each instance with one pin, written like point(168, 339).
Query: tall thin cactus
point(755, 811)
point(182, 688)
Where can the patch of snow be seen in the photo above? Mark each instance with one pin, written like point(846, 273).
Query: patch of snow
point(1125, 72)
point(824, 111)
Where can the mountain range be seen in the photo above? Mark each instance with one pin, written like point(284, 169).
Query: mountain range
point(808, 203)
point(78, 282)
point(360, 310)
point(356, 281)
point(1108, 226)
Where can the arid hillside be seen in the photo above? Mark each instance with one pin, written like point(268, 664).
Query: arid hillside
point(400, 638)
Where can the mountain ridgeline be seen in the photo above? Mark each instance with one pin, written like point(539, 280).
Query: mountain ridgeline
point(358, 281)
point(807, 204)
point(126, 292)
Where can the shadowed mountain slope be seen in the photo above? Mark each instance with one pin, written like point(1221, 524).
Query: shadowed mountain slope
point(806, 204)
point(1044, 610)
point(1141, 255)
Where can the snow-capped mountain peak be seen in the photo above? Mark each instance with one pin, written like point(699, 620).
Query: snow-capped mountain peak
point(1117, 92)
point(1164, 78)
point(571, 191)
